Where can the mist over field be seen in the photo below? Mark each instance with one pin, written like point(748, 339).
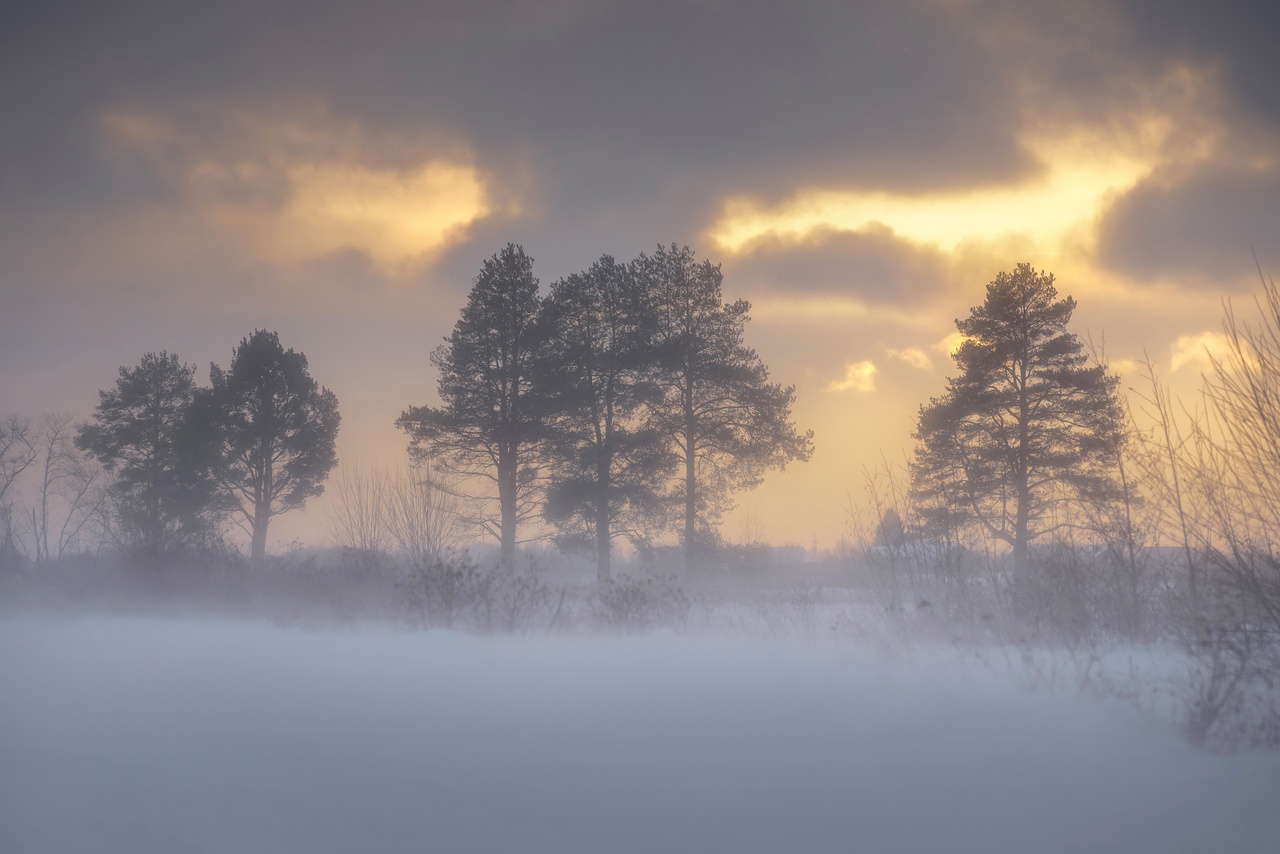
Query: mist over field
point(664, 426)
point(142, 735)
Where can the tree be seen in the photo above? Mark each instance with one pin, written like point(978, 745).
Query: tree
point(488, 423)
point(68, 496)
point(17, 451)
point(727, 424)
point(424, 514)
point(607, 466)
point(1027, 428)
point(269, 432)
point(410, 509)
point(138, 432)
point(1239, 481)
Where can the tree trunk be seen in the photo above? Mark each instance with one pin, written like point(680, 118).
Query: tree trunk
point(690, 479)
point(603, 544)
point(507, 507)
point(1022, 474)
point(604, 534)
point(1021, 522)
point(262, 510)
point(259, 549)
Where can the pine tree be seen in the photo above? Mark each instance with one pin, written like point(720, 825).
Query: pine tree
point(269, 432)
point(727, 424)
point(488, 422)
point(1026, 429)
point(607, 466)
point(139, 432)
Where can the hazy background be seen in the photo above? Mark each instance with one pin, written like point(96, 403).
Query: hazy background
point(175, 177)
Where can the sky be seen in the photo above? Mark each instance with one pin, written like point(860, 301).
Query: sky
point(175, 176)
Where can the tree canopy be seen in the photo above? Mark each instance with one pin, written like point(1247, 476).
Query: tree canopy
point(607, 466)
point(269, 431)
point(140, 433)
point(726, 423)
point(1026, 428)
point(488, 421)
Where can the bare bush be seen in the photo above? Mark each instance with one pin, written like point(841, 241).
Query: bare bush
point(357, 518)
point(412, 511)
point(457, 593)
point(67, 502)
point(425, 513)
point(17, 451)
point(632, 604)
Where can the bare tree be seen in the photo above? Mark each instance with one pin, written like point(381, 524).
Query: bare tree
point(69, 494)
point(358, 518)
point(414, 510)
point(17, 452)
point(1244, 393)
point(425, 513)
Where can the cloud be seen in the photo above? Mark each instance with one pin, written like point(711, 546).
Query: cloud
point(1123, 366)
point(288, 189)
point(872, 269)
point(1204, 223)
point(1239, 35)
point(1074, 181)
point(858, 376)
point(913, 356)
point(1199, 350)
point(950, 345)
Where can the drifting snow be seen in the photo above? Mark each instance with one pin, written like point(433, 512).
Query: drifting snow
point(154, 736)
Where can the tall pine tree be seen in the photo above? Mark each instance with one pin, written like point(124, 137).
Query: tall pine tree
point(269, 432)
point(488, 423)
point(726, 423)
point(1027, 428)
point(607, 466)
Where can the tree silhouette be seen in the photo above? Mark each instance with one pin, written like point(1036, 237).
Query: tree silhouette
point(1027, 428)
point(607, 466)
point(727, 424)
point(488, 421)
point(139, 432)
point(17, 451)
point(269, 432)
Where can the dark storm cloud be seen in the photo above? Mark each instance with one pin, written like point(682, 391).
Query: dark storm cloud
point(1239, 34)
point(623, 124)
point(872, 265)
point(603, 100)
point(1204, 226)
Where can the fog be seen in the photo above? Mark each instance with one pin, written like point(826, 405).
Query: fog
point(145, 734)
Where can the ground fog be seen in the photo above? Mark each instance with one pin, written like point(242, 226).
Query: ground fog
point(141, 734)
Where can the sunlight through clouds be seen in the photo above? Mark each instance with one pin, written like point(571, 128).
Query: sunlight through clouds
point(951, 344)
point(1076, 180)
point(913, 356)
point(829, 308)
point(858, 376)
point(1199, 350)
point(1085, 163)
point(395, 216)
point(291, 190)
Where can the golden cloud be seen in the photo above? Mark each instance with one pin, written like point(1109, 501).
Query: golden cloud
point(1086, 162)
point(1199, 350)
point(827, 308)
point(289, 190)
point(1071, 189)
point(858, 376)
point(913, 356)
point(951, 344)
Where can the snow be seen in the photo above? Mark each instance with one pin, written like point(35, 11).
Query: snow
point(143, 735)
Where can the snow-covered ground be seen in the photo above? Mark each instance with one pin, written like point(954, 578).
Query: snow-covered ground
point(132, 735)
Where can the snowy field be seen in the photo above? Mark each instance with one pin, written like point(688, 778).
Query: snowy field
point(132, 735)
